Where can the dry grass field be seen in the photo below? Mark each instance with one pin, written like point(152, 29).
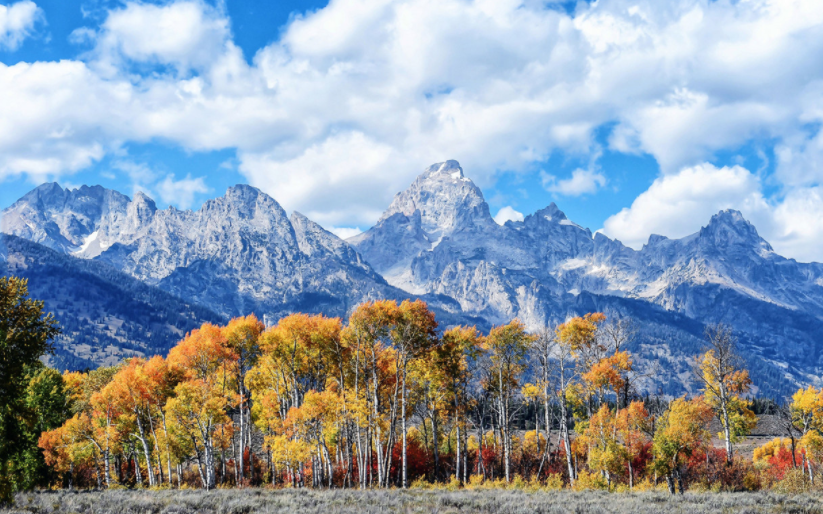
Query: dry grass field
point(307, 501)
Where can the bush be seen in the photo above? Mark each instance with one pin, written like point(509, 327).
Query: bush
point(590, 482)
point(475, 481)
point(518, 483)
point(794, 482)
point(646, 485)
point(554, 482)
point(420, 483)
point(454, 484)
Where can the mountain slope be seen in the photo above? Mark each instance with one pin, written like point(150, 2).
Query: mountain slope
point(237, 254)
point(105, 316)
point(438, 237)
point(241, 253)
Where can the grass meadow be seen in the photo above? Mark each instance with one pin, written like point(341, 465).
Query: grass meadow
point(308, 501)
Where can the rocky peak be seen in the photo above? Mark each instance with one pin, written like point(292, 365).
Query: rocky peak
point(552, 220)
point(729, 229)
point(450, 168)
point(446, 199)
point(314, 240)
point(46, 195)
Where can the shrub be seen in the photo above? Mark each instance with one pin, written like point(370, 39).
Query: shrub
point(475, 481)
point(517, 483)
point(454, 484)
point(646, 485)
point(590, 481)
point(794, 482)
point(420, 483)
point(554, 482)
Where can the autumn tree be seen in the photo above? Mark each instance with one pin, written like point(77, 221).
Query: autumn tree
point(199, 407)
point(806, 410)
point(457, 356)
point(507, 347)
point(724, 382)
point(576, 350)
point(299, 355)
point(680, 431)
point(441, 377)
point(413, 335)
point(242, 337)
point(599, 434)
point(634, 428)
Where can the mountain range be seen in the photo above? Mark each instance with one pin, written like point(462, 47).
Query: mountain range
point(242, 253)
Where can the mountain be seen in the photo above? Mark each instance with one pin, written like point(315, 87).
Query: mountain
point(237, 254)
point(439, 237)
point(105, 316)
point(241, 253)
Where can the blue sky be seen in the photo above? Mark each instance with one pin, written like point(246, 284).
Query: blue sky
point(635, 117)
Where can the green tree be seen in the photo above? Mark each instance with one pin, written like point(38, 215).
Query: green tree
point(25, 335)
point(45, 407)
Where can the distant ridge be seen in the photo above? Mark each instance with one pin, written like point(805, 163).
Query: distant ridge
point(241, 253)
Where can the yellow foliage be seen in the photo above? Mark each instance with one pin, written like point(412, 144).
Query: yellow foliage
point(475, 481)
point(554, 482)
point(770, 448)
point(794, 482)
point(421, 483)
point(646, 485)
point(590, 481)
point(453, 484)
point(518, 483)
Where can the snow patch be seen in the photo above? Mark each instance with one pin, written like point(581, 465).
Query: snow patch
point(570, 223)
point(570, 264)
point(92, 246)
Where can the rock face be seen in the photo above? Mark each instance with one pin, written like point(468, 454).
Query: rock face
point(237, 254)
point(241, 253)
point(438, 237)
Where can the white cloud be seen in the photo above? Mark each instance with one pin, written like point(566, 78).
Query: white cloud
point(677, 205)
point(580, 183)
point(507, 213)
point(797, 225)
point(335, 178)
point(17, 22)
point(181, 192)
point(185, 34)
point(345, 232)
point(355, 99)
point(139, 173)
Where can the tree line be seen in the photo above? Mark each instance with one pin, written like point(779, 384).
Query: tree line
point(388, 399)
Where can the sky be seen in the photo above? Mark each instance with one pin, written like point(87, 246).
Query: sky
point(635, 117)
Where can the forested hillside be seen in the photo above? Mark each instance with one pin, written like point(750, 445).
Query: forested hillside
point(105, 315)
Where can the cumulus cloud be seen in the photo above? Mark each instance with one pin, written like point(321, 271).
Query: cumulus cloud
point(185, 34)
point(17, 22)
point(181, 192)
point(677, 205)
point(580, 183)
point(353, 100)
point(345, 232)
point(507, 213)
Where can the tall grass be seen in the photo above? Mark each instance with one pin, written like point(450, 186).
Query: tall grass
point(308, 501)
